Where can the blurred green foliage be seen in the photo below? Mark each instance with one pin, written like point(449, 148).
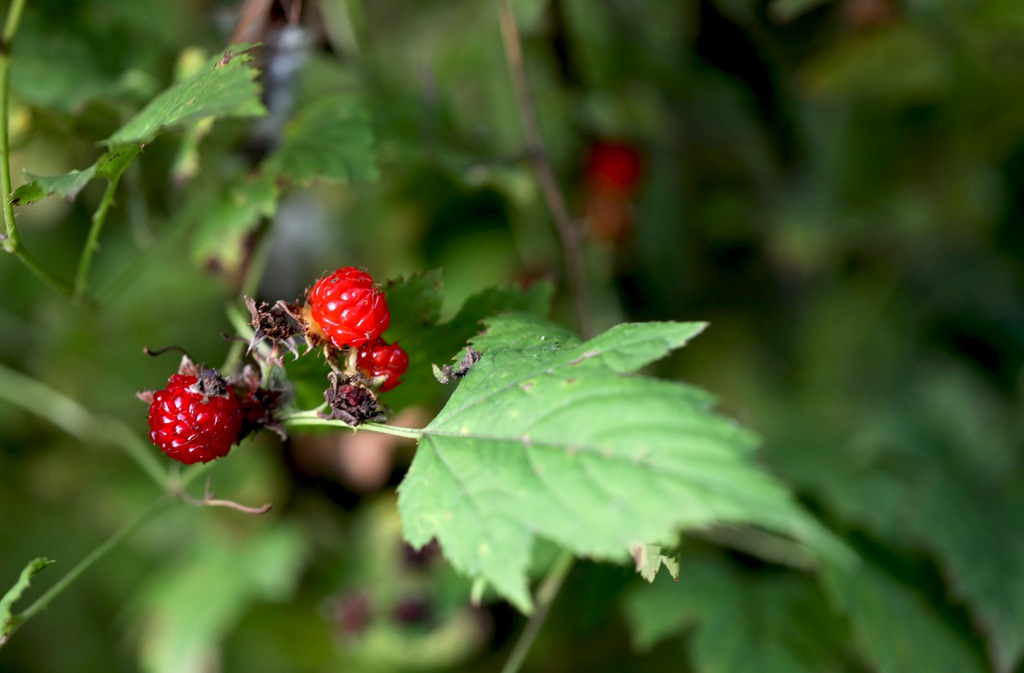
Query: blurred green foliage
point(835, 185)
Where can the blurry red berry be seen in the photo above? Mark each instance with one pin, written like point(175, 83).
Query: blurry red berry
point(614, 166)
point(194, 420)
point(348, 308)
point(379, 358)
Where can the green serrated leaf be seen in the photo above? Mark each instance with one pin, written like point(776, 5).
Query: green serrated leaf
point(226, 87)
point(741, 624)
point(330, 139)
point(416, 298)
point(7, 619)
point(40, 186)
point(110, 166)
point(428, 344)
point(221, 235)
point(559, 442)
point(974, 533)
point(895, 628)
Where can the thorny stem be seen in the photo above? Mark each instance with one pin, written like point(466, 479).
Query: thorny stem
point(542, 604)
point(11, 238)
point(566, 227)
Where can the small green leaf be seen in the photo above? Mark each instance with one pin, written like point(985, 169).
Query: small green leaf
point(226, 87)
point(222, 233)
point(110, 166)
point(7, 620)
point(40, 186)
point(330, 139)
point(553, 438)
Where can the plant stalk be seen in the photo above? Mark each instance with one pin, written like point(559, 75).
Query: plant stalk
point(92, 242)
point(43, 601)
point(302, 419)
point(11, 239)
point(546, 595)
point(565, 225)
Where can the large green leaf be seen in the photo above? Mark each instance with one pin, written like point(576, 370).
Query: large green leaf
point(330, 139)
point(773, 622)
point(550, 437)
point(975, 534)
point(226, 87)
point(896, 628)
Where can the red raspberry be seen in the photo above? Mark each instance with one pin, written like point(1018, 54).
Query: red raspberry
point(379, 358)
point(195, 420)
point(348, 308)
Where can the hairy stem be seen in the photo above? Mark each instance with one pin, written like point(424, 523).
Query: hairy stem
point(542, 604)
point(299, 419)
point(565, 225)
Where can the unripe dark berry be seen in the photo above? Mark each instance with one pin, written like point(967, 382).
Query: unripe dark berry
point(613, 166)
point(195, 419)
point(348, 308)
point(380, 359)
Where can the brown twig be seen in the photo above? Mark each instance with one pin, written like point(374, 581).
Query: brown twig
point(568, 232)
point(209, 501)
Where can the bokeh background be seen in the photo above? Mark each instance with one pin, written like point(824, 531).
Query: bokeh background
point(836, 185)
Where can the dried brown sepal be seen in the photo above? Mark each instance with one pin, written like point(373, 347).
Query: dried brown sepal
point(259, 404)
point(209, 383)
point(351, 401)
point(447, 374)
point(279, 324)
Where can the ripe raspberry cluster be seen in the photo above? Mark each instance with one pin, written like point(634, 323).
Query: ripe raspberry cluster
point(200, 414)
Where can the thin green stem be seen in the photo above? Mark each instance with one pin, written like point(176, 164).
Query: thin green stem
point(92, 242)
point(13, 19)
point(11, 240)
point(11, 237)
point(541, 606)
point(71, 417)
point(43, 601)
point(300, 419)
